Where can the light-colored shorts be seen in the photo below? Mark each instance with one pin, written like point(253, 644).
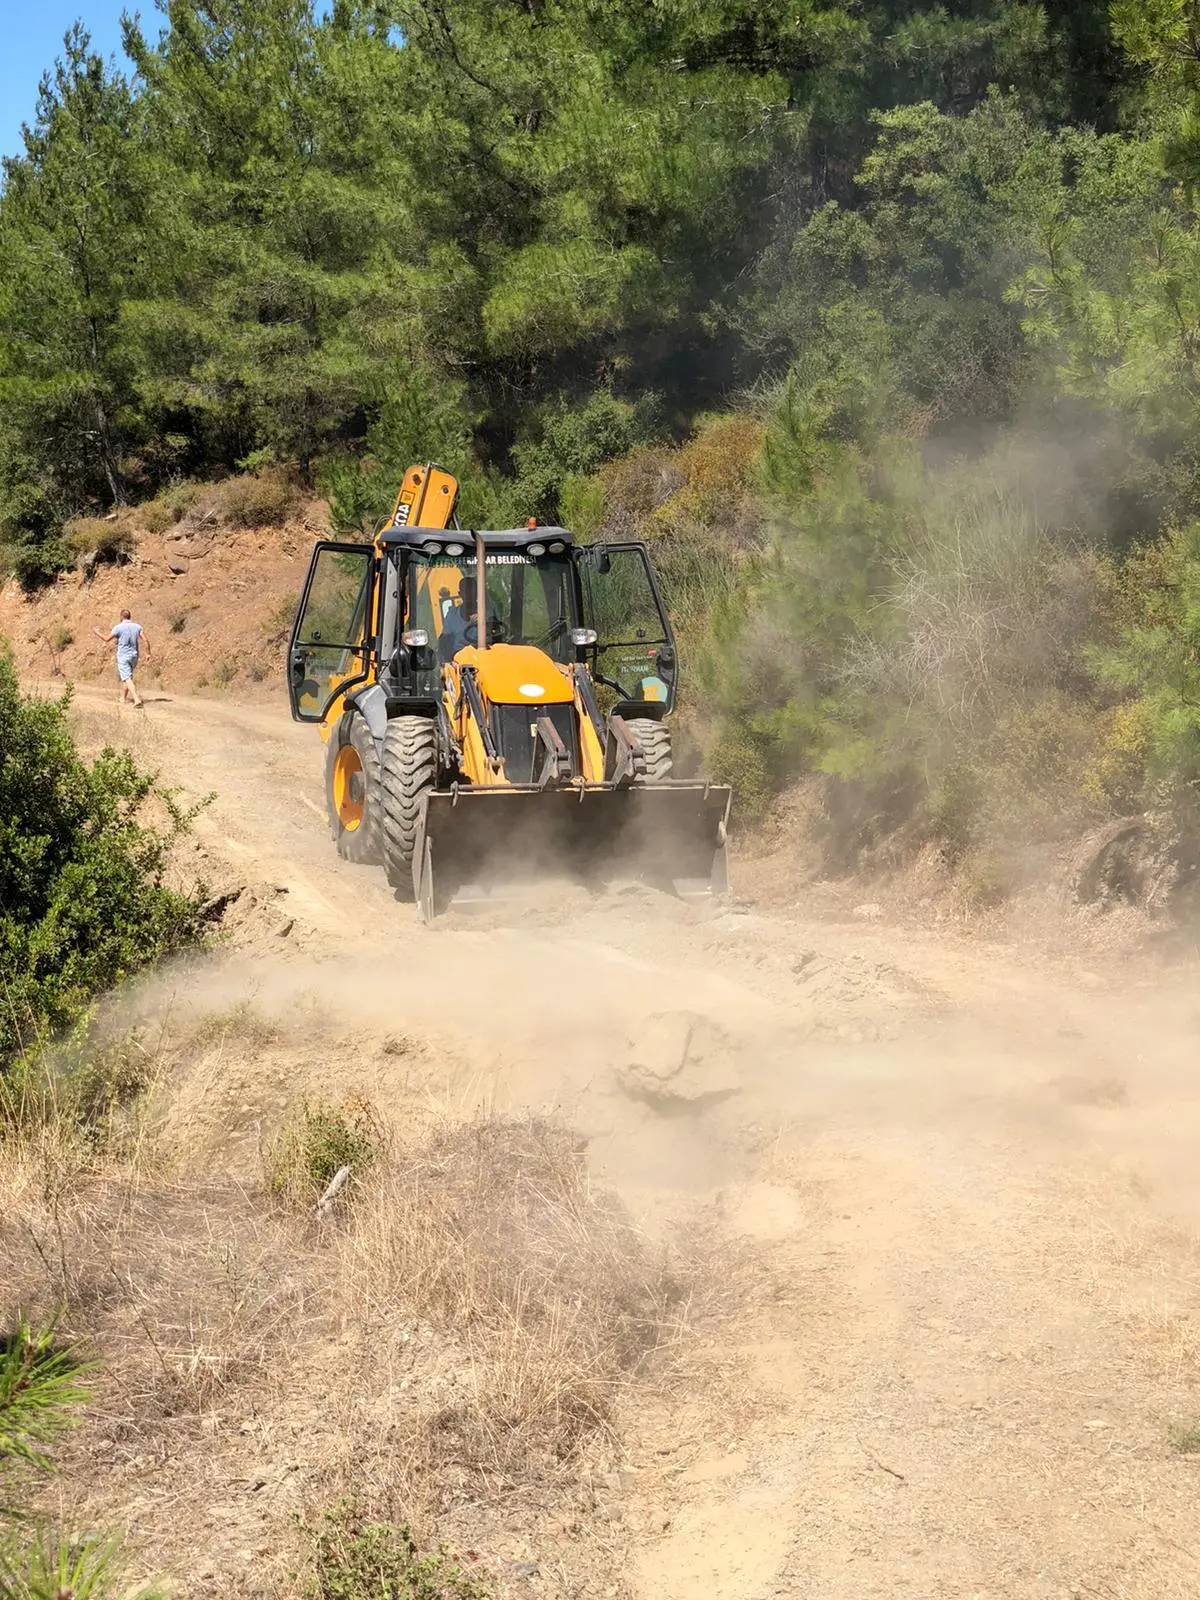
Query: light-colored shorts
point(126, 669)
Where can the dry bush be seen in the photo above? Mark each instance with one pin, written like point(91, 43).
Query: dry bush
point(492, 1232)
point(248, 501)
point(109, 538)
point(184, 1293)
point(181, 498)
point(278, 625)
point(635, 485)
point(242, 1022)
point(718, 466)
point(986, 604)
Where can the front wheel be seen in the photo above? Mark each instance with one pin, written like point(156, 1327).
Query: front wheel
point(655, 763)
point(352, 791)
point(409, 770)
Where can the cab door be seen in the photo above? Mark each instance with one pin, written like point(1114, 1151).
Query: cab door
point(332, 646)
point(634, 653)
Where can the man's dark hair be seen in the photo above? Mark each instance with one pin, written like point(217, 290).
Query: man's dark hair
point(125, 617)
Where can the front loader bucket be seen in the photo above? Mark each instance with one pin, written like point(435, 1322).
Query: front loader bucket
point(482, 845)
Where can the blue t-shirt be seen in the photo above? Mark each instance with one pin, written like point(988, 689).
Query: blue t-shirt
point(127, 635)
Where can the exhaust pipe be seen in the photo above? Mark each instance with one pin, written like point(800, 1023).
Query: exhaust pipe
point(481, 637)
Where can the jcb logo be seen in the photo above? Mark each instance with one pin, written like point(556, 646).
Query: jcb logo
point(404, 509)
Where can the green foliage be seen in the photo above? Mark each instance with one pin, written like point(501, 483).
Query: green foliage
point(1155, 659)
point(573, 441)
point(316, 1141)
point(946, 253)
point(355, 1558)
point(83, 901)
point(287, 239)
point(40, 1394)
point(40, 1391)
point(1184, 1438)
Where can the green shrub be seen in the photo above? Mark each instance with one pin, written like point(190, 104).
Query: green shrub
point(40, 1390)
point(1184, 1438)
point(357, 1559)
point(155, 516)
point(316, 1141)
point(1154, 602)
point(35, 562)
point(572, 439)
point(40, 1395)
point(182, 497)
point(83, 901)
point(740, 757)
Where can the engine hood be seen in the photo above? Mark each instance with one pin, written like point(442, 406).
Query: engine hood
point(517, 675)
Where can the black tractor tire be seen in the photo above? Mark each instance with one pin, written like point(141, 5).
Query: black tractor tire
point(409, 771)
point(361, 842)
point(654, 765)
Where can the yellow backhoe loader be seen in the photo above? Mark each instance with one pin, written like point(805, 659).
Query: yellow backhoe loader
point(493, 705)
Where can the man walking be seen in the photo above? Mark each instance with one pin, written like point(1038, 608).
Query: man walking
point(131, 639)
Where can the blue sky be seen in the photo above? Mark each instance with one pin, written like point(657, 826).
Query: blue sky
point(31, 34)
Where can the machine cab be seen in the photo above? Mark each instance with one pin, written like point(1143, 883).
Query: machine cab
point(399, 610)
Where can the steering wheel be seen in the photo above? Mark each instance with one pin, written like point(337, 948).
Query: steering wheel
point(497, 632)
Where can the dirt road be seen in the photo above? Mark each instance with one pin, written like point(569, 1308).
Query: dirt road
point(962, 1186)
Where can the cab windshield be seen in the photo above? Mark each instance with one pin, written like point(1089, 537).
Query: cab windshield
point(530, 600)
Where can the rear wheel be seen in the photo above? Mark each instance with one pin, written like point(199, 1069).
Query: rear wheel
point(409, 769)
point(654, 764)
point(352, 791)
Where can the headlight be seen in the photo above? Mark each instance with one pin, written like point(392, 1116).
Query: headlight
point(582, 636)
point(431, 547)
point(454, 549)
point(415, 638)
point(557, 548)
point(535, 549)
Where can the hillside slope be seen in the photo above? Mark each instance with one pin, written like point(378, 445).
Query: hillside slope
point(215, 604)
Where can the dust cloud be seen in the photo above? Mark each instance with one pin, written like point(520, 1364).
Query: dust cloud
point(953, 1183)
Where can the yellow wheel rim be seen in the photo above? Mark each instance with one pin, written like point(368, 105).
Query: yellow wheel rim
point(348, 788)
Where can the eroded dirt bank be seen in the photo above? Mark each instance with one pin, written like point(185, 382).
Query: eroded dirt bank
point(955, 1187)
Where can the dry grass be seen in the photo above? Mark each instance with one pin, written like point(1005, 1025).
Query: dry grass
point(492, 1233)
point(461, 1333)
point(241, 1023)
